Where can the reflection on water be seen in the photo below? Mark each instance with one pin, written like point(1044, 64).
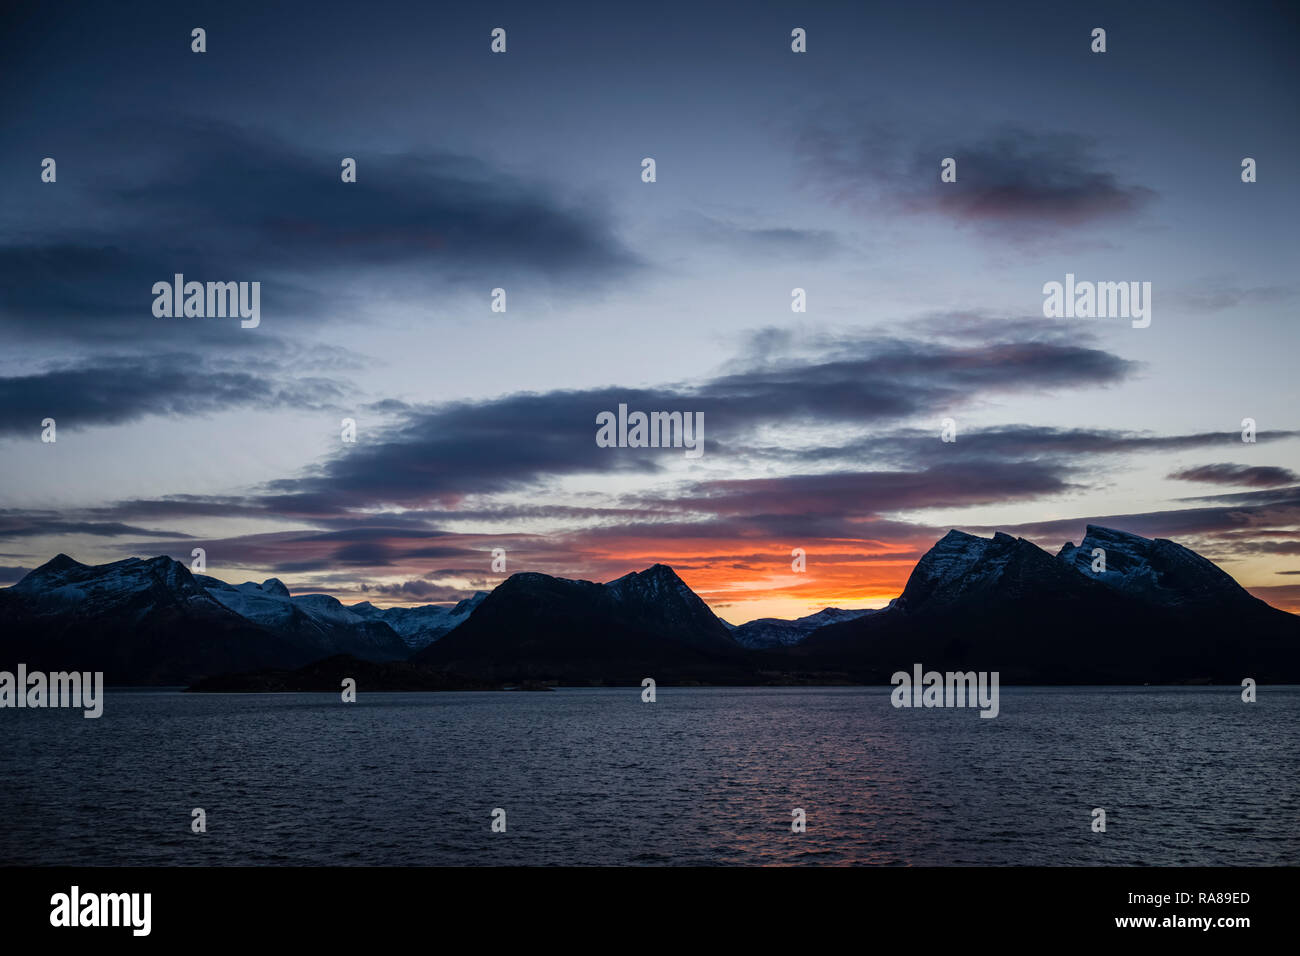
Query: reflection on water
point(702, 776)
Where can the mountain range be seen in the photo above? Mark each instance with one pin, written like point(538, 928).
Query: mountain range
point(1157, 613)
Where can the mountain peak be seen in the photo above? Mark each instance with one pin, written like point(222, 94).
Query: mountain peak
point(1098, 531)
point(529, 579)
point(57, 564)
point(961, 564)
point(466, 605)
point(536, 623)
point(275, 586)
point(1154, 569)
point(772, 632)
point(55, 569)
point(656, 582)
point(656, 570)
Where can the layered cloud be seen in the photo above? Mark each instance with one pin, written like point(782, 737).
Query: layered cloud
point(444, 454)
point(217, 202)
point(114, 390)
point(1249, 476)
point(414, 512)
point(1016, 183)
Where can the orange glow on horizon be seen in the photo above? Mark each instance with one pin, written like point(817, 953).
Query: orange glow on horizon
point(739, 579)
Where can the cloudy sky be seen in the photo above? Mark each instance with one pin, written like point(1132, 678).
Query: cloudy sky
point(522, 171)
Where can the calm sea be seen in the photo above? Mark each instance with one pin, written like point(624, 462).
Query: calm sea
point(702, 776)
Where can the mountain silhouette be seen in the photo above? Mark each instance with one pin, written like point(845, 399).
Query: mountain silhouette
point(153, 622)
point(1158, 612)
point(646, 624)
point(135, 620)
point(1117, 608)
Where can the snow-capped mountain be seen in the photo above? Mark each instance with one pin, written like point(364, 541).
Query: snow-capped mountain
point(418, 627)
point(62, 583)
point(768, 632)
point(154, 621)
point(658, 599)
point(1156, 570)
point(136, 620)
point(962, 567)
point(1160, 612)
point(315, 620)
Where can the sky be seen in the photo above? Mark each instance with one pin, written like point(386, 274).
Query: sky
point(523, 171)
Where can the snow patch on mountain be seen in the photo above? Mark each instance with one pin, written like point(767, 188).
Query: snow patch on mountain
point(657, 583)
point(1155, 569)
point(961, 564)
point(419, 627)
point(769, 632)
point(275, 586)
point(63, 584)
point(658, 595)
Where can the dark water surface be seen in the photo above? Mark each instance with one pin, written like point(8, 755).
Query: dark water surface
point(702, 776)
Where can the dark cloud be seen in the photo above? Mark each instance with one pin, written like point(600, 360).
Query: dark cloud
point(456, 455)
point(180, 506)
point(1016, 182)
point(912, 448)
point(781, 243)
point(417, 590)
point(109, 391)
point(370, 554)
point(1270, 496)
point(1182, 524)
point(439, 211)
point(217, 202)
point(871, 492)
point(1253, 476)
point(1268, 547)
point(92, 291)
point(378, 544)
point(16, 523)
point(880, 533)
point(446, 453)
